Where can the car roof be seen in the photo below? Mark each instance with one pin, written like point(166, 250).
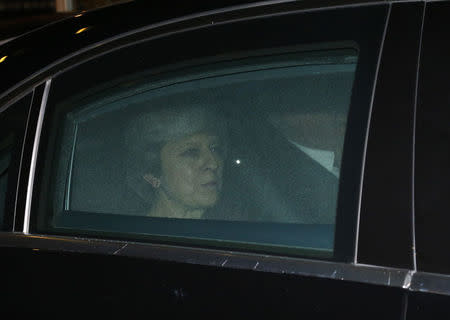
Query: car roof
point(26, 55)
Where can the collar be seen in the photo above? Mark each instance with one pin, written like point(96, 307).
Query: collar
point(324, 157)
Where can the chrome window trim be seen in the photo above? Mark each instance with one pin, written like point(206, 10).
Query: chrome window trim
point(366, 139)
point(368, 274)
point(431, 283)
point(27, 127)
point(413, 177)
point(3, 41)
point(210, 257)
point(37, 137)
point(17, 98)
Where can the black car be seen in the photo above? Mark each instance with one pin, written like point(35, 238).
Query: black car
point(253, 159)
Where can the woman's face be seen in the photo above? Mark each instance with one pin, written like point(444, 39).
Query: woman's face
point(191, 170)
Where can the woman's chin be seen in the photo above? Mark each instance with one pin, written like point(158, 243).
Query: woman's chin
point(208, 200)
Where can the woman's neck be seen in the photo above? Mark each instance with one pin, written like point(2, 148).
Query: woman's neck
point(170, 208)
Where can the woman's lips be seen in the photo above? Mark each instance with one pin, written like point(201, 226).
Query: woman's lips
point(211, 184)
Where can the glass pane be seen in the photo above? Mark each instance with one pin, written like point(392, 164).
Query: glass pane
point(246, 151)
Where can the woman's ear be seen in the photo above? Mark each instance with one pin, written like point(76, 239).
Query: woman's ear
point(154, 181)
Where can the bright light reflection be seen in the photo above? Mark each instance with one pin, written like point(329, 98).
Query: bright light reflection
point(238, 161)
point(81, 30)
point(78, 15)
point(3, 58)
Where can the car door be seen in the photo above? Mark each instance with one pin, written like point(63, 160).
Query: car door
point(432, 170)
point(294, 232)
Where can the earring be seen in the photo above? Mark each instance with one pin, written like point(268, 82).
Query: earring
point(155, 182)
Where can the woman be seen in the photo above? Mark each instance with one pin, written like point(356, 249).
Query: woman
point(176, 160)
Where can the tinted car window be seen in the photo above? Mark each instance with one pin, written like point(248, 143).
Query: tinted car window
point(218, 146)
point(251, 140)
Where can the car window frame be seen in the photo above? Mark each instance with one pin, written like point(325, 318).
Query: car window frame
point(390, 148)
point(349, 254)
point(18, 162)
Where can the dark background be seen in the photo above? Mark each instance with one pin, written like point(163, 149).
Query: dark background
point(20, 16)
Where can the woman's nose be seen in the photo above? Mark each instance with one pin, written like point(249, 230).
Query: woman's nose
point(211, 160)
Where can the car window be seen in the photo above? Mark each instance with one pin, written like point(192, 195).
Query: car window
point(12, 127)
point(256, 140)
point(225, 147)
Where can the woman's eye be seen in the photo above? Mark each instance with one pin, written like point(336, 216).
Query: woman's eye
point(216, 148)
point(192, 152)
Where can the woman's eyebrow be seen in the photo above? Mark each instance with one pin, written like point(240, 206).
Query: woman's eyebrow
point(196, 142)
point(187, 144)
